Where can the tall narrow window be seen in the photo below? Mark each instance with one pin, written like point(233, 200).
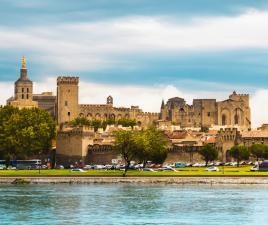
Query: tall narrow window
point(22, 96)
point(27, 90)
point(236, 119)
point(22, 90)
point(223, 119)
point(66, 103)
point(27, 96)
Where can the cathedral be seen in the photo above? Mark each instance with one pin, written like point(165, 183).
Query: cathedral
point(64, 107)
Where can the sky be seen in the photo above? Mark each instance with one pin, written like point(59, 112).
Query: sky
point(140, 52)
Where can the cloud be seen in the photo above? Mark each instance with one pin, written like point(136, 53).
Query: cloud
point(147, 97)
point(102, 44)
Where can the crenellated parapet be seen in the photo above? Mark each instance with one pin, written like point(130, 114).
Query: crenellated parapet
point(67, 80)
point(228, 134)
point(79, 131)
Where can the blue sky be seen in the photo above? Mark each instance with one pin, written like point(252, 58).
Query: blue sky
point(199, 47)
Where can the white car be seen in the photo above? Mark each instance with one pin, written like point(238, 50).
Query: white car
point(77, 170)
point(212, 169)
point(254, 168)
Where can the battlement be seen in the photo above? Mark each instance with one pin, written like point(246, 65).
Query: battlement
point(67, 80)
point(76, 131)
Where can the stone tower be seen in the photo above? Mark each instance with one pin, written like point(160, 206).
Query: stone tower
point(23, 90)
point(23, 86)
point(67, 99)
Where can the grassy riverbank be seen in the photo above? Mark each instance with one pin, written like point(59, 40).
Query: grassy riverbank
point(226, 171)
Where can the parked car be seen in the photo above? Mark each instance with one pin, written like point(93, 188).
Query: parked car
point(180, 165)
point(263, 166)
point(254, 168)
point(60, 167)
point(87, 167)
point(212, 169)
point(77, 170)
point(148, 169)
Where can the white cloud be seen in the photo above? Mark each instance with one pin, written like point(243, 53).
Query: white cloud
point(85, 46)
point(147, 97)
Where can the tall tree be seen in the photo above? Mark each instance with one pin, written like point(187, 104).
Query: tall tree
point(239, 152)
point(25, 132)
point(209, 153)
point(125, 145)
point(257, 150)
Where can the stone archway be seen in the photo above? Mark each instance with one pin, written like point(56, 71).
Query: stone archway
point(89, 116)
point(97, 116)
point(228, 156)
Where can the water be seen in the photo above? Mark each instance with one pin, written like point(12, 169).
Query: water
point(133, 204)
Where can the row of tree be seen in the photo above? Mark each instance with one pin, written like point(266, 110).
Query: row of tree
point(25, 132)
point(83, 121)
point(141, 146)
point(238, 152)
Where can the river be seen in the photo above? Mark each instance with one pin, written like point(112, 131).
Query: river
point(133, 204)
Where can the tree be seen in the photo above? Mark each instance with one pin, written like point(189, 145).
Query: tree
point(209, 153)
point(265, 153)
point(257, 150)
point(239, 152)
point(25, 132)
point(143, 146)
point(125, 145)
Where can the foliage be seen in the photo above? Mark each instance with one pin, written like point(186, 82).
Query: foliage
point(142, 146)
point(258, 150)
point(25, 132)
point(239, 152)
point(151, 146)
point(124, 144)
point(209, 153)
point(80, 121)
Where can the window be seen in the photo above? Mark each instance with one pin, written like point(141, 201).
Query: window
point(22, 96)
point(208, 113)
point(236, 119)
point(69, 113)
point(27, 90)
point(66, 103)
point(223, 120)
point(27, 96)
point(22, 90)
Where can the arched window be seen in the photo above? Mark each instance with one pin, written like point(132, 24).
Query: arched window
point(236, 119)
point(223, 120)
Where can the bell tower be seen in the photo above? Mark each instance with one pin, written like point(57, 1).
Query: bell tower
point(23, 86)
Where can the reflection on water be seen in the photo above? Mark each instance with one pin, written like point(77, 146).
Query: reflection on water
point(133, 204)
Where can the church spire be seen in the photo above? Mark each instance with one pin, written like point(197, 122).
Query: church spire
point(23, 69)
point(23, 62)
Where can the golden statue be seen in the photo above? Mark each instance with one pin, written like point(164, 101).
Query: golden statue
point(23, 62)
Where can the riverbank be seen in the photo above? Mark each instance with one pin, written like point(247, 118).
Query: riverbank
point(137, 180)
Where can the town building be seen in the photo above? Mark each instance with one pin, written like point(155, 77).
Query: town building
point(206, 113)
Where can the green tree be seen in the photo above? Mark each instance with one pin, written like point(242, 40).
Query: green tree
point(239, 152)
point(125, 145)
point(209, 153)
point(265, 153)
point(257, 150)
point(81, 121)
point(25, 132)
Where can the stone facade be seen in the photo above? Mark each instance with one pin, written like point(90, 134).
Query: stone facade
point(234, 111)
point(68, 107)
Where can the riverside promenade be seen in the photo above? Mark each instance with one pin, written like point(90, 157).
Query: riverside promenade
point(180, 180)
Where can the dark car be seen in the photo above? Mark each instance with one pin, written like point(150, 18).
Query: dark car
point(263, 166)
